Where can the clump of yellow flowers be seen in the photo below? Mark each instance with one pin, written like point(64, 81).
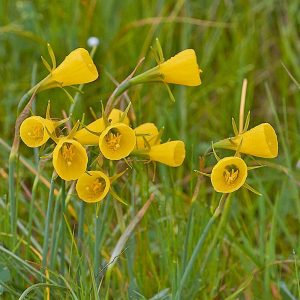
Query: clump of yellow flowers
point(230, 173)
point(112, 136)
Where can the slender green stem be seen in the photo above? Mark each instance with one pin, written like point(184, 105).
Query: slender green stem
point(33, 90)
point(80, 239)
point(188, 233)
point(218, 231)
point(47, 223)
point(97, 244)
point(23, 100)
point(63, 234)
point(13, 157)
point(120, 89)
point(80, 225)
point(54, 235)
point(200, 243)
point(31, 211)
point(12, 197)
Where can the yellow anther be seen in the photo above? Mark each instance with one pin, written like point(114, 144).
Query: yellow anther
point(68, 153)
point(36, 132)
point(113, 140)
point(96, 187)
point(231, 176)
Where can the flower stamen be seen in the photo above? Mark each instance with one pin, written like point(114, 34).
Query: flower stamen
point(230, 174)
point(68, 153)
point(37, 132)
point(113, 140)
point(96, 188)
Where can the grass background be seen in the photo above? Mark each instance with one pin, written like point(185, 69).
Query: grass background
point(233, 40)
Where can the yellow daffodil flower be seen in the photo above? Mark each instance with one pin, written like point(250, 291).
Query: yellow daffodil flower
point(170, 153)
point(34, 131)
point(69, 159)
point(89, 135)
point(92, 186)
point(146, 135)
point(181, 69)
point(117, 141)
point(260, 141)
point(229, 174)
point(78, 67)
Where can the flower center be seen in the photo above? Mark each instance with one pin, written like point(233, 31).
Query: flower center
point(113, 139)
point(37, 132)
point(68, 153)
point(230, 174)
point(96, 188)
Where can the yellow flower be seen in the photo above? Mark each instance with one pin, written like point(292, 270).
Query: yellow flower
point(170, 153)
point(260, 141)
point(69, 159)
point(78, 67)
point(92, 186)
point(146, 135)
point(90, 134)
point(229, 174)
point(34, 131)
point(117, 141)
point(181, 69)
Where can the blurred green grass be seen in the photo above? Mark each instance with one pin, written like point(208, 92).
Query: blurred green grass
point(233, 41)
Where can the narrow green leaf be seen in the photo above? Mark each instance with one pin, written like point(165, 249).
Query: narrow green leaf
point(247, 122)
point(124, 114)
point(202, 173)
point(215, 154)
point(248, 187)
point(115, 177)
point(170, 92)
point(46, 64)
point(104, 116)
point(93, 113)
point(155, 54)
point(74, 130)
point(237, 152)
point(70, 97)
point(255, 167)
point(48, 111)
point(159, 51)
point(117, 197)
point(52, 56)
point(235, 130)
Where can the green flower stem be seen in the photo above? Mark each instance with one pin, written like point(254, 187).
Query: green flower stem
point(80, 225)
point(218, 232)
point(80, 239)
point(12, 196)
point(219, 210)
point(226, 144)
point(151, 75)
point(31, 208)
point(97, 245)
point(47, 223)
point(54, 240)
point(32, 91)
point(120, 89)
point(13, 157)
point(63, 227)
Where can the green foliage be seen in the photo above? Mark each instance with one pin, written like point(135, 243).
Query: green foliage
point(253, 256)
